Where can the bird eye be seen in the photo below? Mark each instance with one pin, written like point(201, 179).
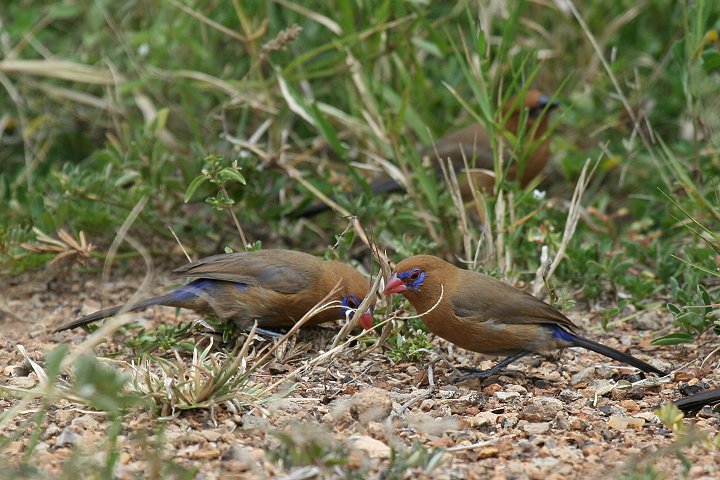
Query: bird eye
point(351, 302)
point(414, 275)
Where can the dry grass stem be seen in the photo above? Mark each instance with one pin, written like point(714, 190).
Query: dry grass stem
point(573, 216)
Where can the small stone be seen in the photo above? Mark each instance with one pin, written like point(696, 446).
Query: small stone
point(570, 395)
point(516, 388)
point(13, 448)
point(276, 368)
point(605, 409)
point(23, 382)
point(371, 404)
point(210, 435)
point(51, 431)
point(205, 454)
point(649, 416)
point(427, 405)
point(578, 425)
point(629, 405)
point(583, 376)
point(509, 421)
point(636, 393)
point(505, 396)
point(488, 452)
point(87, 422)
point(67, 437)
point(375, 449)
point(690, 389)
point(617, 422)
point(483, 418)
point(492, 389)
point(541, 409)
point(534, 428)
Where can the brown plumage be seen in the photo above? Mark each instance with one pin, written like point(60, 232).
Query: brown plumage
point(274, 287)
point(482, 314)
point(473, 142)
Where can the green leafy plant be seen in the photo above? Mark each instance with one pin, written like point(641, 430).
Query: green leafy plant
point(304, 444)
point(220, 173)
point(414, 347)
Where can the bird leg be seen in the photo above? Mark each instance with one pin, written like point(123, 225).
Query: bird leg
point(475, 373)
point(264, 332)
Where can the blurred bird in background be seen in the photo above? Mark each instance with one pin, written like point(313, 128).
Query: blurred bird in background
point(528, 115)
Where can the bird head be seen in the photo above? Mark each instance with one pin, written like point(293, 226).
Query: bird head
point(415, 272)
point(350, 303)
point(355, 287)
point(534, 103)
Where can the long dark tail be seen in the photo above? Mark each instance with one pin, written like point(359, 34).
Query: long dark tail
point(694, 403)
point(112, 311)
point(614, 354)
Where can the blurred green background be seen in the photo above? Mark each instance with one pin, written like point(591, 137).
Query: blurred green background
point(108, 103)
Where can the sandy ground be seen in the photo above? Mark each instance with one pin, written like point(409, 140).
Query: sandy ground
point(571, 415)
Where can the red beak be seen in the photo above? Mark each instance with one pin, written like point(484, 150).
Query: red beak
point(366, 320)
point(394, 285)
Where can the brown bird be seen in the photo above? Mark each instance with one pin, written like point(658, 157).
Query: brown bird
point(275, 287)
point(694, 403)
point(485, 315)
point(474, 142)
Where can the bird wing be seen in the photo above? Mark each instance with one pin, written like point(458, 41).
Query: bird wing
point(482, 298)
point(472, 140)
point(280, 270)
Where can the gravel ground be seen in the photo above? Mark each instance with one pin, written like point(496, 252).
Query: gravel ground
point(568, 415)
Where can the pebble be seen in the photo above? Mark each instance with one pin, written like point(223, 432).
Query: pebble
point(483, 418)
point(371, 404)
point(630, 405)
point(67, 437)
point(211, 435)
point(516, 388)
point(570, 395)
point(534, 428)
point(617, 422)
point(542, 409)
point(374, 448)
point(505, 396)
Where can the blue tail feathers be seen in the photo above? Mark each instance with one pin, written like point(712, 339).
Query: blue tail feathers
point(562, 334)
point(176, 298)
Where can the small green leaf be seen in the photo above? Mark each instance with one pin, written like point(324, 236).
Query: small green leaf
point(194, 185)
point(126, 178)
point(229, 173)
point(704, 295)
point(710, 60)
point(673, 339)
point(161, 120)
point(428, 47)
point(674, 309)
